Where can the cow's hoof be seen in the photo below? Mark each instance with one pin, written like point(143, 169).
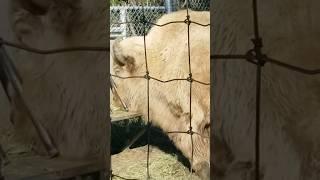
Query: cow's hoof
point(202, 170)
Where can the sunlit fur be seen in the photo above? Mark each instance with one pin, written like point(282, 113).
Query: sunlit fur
point(167, 56)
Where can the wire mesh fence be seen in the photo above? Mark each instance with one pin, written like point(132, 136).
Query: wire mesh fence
point(258, 58)
point(199, 5)
point(255, 56)
point(146, 24)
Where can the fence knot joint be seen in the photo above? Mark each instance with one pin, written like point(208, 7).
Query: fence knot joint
point(147, 76)
point(256, 57)
point(187, 21)
point(190, 131)
point(190, 79)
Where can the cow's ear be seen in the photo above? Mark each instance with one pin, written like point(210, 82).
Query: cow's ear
point(120, 58)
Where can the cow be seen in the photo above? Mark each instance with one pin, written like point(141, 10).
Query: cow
point(290, 100)
point(66, 92)
point(167, 58)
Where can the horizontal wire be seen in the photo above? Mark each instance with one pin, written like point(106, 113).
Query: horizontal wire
point(128, 77)
point(181, 132)
point(159, 25)
point(267, 59)
point(204, 25)
point(54, 51)
point(187, 132)
point(229, 56)
point(159, 80)
point(114, 175)
point(170, 80)
point(292, 67)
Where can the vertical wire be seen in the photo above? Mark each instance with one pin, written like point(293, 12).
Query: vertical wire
point(255, 19)
point(257, 135)
point(190, 90)
point(258, 44)
point(148, 91)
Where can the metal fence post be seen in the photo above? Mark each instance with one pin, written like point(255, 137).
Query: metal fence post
point(123, 12)
point(170, 5)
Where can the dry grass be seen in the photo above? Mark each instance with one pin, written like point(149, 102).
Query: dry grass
point(132, 164)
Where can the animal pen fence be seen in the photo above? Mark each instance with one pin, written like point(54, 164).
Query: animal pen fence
point(254, 55)
point(258, 58)
point(145, 22)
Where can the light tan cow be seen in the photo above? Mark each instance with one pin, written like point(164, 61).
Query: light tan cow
point(167, 56)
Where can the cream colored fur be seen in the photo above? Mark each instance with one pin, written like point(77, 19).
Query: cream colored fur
point(167, 56)
point(290, 101)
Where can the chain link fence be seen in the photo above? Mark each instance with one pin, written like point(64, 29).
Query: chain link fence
point(119, 15)
point(197, 5)
point(153, 10)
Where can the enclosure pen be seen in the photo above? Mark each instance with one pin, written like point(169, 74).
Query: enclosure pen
point(189, 79)
point(257, 57)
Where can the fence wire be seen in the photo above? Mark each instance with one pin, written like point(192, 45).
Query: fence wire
point(257, 57)
point(145, 23)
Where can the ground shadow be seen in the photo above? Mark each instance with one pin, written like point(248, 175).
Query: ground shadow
point(122, 132)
